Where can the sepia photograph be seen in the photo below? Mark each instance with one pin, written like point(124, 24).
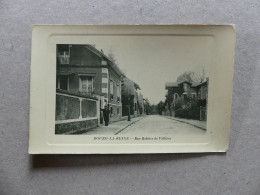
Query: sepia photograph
point(106, 89)
point(112, 88)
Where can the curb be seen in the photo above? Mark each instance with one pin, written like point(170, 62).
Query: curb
point(186, 123)
point(127, 126)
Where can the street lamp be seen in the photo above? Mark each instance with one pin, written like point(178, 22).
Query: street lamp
point(129, 101)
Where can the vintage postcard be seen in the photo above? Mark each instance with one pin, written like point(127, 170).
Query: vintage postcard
point(131, 88)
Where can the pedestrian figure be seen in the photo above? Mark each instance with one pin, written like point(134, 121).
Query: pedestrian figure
point(106, 113)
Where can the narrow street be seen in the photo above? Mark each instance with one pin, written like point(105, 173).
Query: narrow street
point(147, 125)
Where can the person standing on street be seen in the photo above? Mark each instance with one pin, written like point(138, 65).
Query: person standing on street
point(106, 113)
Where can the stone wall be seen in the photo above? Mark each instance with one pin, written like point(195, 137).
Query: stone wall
point(74, 127)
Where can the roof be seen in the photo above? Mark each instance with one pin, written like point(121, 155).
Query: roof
point(199, 84)
point(137, 86)
point(176, 84)
point(101, 54)
point(171, 84)
point(195, 84)
point(184, 82)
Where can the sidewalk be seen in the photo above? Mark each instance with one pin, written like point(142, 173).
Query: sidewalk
point(113, 128)
point(196, 123)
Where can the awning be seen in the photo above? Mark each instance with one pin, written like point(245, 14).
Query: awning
point(79, 74)
point(86, 74)
point(64, 73)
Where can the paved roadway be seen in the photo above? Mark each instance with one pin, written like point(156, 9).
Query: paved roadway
point(148, 125)
point(156, 124)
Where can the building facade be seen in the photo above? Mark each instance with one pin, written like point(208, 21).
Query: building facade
point(84, 71)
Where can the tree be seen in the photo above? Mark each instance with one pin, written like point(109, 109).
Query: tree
point(192, 77)
point(147, 107)
point(111, 56)
point(128, 93)
point(160, 107)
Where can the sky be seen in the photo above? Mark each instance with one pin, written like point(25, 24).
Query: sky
point(151, 61)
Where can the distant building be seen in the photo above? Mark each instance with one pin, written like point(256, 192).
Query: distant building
point(184, 90)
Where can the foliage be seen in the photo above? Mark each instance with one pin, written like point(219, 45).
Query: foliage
point(127, 87)
point(187, 108)
point(147, 107)
point(111, 56)
point(140, 105)
point(192, 77)
point(160, 107)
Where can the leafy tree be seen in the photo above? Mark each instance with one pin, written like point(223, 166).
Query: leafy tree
point(187, 108)
point(147, 107)
point(160, 107)
point(192, 77)
point(111, 56)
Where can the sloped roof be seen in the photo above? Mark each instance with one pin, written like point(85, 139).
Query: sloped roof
point(137, 86)
point(195, 84)
point(199, 84)
point(184, 82)
point(176, 84)
point(171, 84)
point(101, 54)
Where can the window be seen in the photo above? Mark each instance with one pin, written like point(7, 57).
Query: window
point(118, 93)
point(111, 110)
point(185, 87)
point(118, 111)
point(63, 53)
point(86, 84)
point(175, 97)
point(185, 96)
point(103, 62)
point(111, 88)
point(63, 82)
point(64, 57)
point(199, 94)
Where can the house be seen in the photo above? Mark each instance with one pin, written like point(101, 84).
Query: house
point(85, 72)
point(185, 90)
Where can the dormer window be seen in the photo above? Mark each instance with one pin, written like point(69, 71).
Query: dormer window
point(103, 63)
point(63, 54)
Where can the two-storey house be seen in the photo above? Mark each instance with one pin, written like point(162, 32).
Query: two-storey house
point(84, 70)
point(185, 90)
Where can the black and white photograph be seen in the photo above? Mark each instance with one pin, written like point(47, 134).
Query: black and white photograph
point(131, 88)
point(142, 86)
